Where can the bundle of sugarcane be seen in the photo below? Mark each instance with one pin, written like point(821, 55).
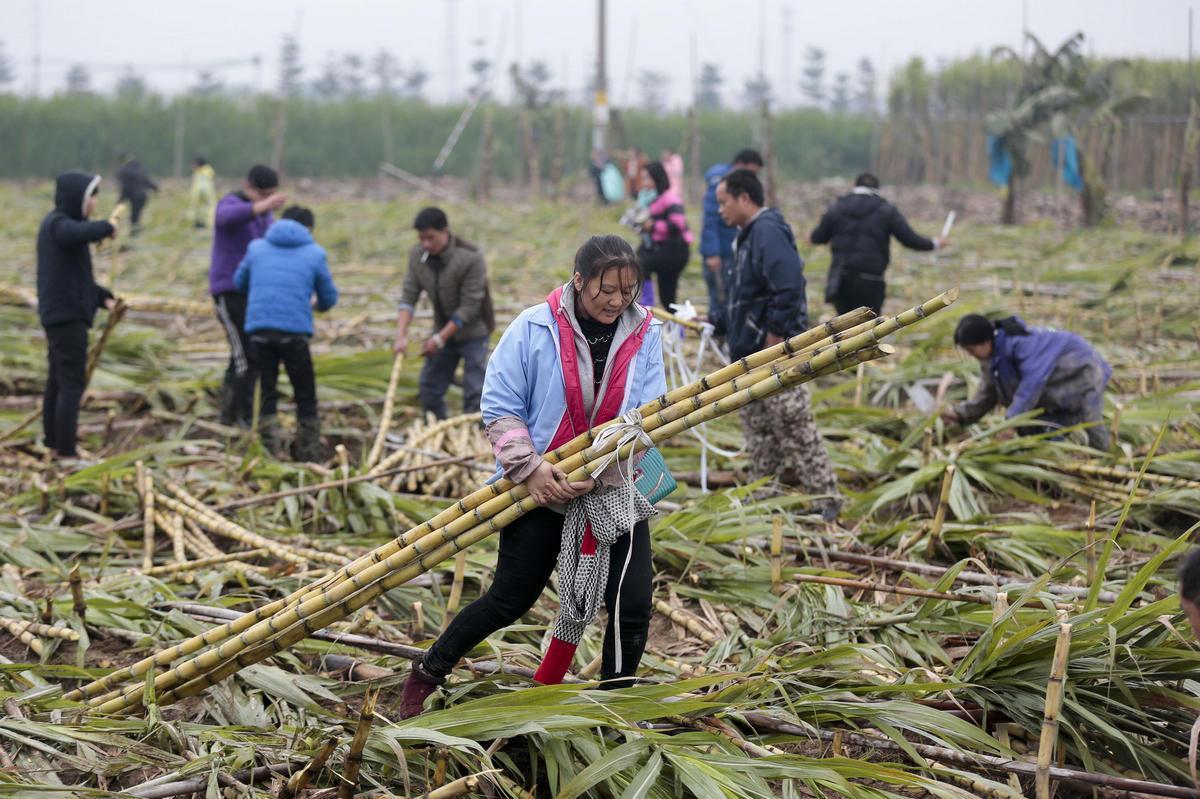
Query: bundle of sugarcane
point(1168, 481)
point(839, 344)
point(427, 439)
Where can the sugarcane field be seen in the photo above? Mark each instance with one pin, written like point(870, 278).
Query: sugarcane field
point(524, 399)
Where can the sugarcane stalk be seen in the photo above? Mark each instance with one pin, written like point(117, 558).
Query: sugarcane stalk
point(469, 505)
point(1127, 474)
point(377, 564)
point(1054, 697)
point(38, 628)
point(456, 588)
point(939, 516)
point(687, 621)
point(776, 553)
point(866, 585)
point(298, 781)
point(191, 565)
point(190, 507)
point(461, 786)
point(146, 484)
point(385, 418)
point(338, 600)
point(21, 632)
point(177, 539)
point(115, 314)
point(1090, 530)
point(353, 762)
point(78, 604)
point(297, 623)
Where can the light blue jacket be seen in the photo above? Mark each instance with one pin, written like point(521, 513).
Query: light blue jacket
point(280, 273)
point(525, 380)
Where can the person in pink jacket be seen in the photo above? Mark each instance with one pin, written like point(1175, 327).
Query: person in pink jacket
point(673, 164)
point(670, 243)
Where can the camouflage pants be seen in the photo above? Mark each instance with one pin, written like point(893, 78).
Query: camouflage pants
point(782, 442)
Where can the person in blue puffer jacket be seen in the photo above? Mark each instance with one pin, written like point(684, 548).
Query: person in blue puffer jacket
point(1028, 368)
point(280, 274)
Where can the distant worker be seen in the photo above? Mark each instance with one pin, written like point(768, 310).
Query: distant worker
point(204, 193)
point(859, 228)
point(1027, 368)
point(670, 245)
point(673, 164)
point(136, 186)
point(451, 271)
point(764, 305)
point(716, 237)
point(68, 299)
point(279, 276)
point(241, 217)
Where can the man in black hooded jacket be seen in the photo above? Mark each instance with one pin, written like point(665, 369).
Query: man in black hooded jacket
point(859, 228)
point(68, 299)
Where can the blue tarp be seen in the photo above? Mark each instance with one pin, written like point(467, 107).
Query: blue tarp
point(999, 161)
point(1065, 155)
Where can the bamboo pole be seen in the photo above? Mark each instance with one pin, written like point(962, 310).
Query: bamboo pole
point(1054, 697)
point(353, 762)
point(330, 600)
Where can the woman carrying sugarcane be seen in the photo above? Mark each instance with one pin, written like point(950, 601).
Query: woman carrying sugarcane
point(586, 355)
point(1027, 368)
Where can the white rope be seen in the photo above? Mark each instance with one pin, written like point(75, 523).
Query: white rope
point(681, 373)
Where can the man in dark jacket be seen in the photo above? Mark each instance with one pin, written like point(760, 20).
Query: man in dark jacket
point(716, 237)
point(859, 228)
point(68, 299)
point(242, 216)
point(764, 305)
point(452, 272)
point(135, 185)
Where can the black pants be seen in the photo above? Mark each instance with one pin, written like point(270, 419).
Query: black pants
point(528, 553)
point(67, 346)
point(237, 393)
point(438, 373)
point(136, 203)
point(274, 347)
point(666, 260)
point(857, 290)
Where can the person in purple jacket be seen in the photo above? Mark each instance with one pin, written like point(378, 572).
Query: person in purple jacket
point(1028, 368)
point(242, 216)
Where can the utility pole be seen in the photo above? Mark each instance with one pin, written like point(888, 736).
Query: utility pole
point(785, 58)
point(37, 50)
point(600, 105)
point(451, 55)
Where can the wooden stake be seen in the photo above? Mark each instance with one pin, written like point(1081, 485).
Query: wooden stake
point(1054, 697)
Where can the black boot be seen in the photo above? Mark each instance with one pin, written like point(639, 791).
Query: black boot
point(271, 436)
point(307, 446)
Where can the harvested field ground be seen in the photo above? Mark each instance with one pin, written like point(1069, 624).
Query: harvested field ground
point(760, 693)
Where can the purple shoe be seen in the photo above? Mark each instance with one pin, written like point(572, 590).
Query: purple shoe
point(417, 688)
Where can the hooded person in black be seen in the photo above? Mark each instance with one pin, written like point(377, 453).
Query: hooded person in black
point(68, 299)
point(859, 228)
point(136, 184)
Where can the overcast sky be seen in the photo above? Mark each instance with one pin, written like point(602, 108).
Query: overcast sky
point(159, 37)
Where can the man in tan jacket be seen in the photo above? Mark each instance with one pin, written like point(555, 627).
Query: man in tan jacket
point(452, 273)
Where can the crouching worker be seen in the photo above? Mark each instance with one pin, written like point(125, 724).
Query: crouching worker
point(279, 275)
point(1026, 368)
point(68, 299)
point(586, 355)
